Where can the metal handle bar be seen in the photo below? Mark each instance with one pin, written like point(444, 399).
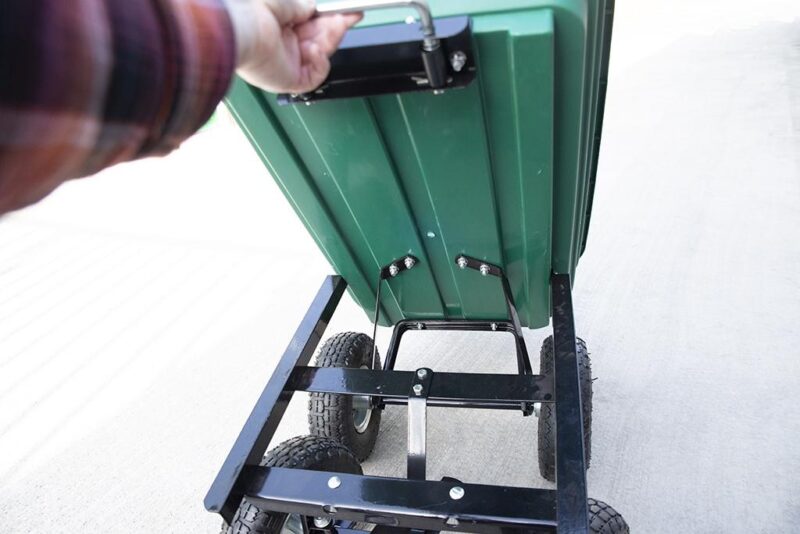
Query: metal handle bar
point(430, 42)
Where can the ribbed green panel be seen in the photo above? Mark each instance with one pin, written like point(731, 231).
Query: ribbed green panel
point(498, 170)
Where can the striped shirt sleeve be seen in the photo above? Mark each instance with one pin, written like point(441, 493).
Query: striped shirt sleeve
point(85, 84)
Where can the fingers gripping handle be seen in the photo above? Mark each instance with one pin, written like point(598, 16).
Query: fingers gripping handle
point(430, 42)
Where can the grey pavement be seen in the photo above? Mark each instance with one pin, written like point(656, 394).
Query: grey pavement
point(142, 311)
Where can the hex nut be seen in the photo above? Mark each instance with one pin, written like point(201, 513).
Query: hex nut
point(457, 60)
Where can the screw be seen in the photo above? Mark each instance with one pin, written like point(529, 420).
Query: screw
point(394, 269)
point(462, 262)
point(334, 482)
point(409, 262)
point(417, 389)
point(494, 326)
point(422, 373)
point(484, 269)
point(438, 91)
point(457, 60)
point(322, 522)
point(456, 492)
point(420, 326)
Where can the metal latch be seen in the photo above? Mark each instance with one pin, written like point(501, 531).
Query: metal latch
point(391, 59)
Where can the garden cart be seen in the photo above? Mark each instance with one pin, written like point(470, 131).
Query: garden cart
point(446, 169)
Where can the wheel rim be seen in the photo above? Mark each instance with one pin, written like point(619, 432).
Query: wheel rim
point(293, 524)
point(362, 411)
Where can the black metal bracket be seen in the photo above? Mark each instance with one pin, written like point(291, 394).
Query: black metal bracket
point(391, 59)
point(488, 269)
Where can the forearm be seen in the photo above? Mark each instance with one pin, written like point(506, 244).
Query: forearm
point(89, 83)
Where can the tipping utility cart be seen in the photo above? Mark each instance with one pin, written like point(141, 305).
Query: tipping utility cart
point(446, 169)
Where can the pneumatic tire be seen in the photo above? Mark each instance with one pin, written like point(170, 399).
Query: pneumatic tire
point(343, 417)
point(605, 520)
point(547, 414)
point(303, 452)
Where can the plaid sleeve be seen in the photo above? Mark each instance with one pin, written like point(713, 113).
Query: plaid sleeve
point(85, 84)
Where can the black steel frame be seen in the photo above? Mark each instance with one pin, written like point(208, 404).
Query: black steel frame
point(415, 503)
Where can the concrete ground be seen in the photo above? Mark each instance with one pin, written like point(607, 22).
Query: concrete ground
point(141, 312)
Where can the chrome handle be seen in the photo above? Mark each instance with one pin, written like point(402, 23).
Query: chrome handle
point(429, 40)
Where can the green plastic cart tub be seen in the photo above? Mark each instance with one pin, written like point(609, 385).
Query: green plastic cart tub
point(502, 170)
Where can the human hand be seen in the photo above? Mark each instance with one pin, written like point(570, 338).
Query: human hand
point(280, 47)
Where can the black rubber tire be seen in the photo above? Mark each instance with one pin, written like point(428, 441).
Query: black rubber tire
point(303, 452)
point(331, 415)
point(547, 414)
point(605, 520)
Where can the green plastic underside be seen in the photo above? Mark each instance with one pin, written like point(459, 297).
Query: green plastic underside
point(501, 170)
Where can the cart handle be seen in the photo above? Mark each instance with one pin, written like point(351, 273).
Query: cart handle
point(429, 41)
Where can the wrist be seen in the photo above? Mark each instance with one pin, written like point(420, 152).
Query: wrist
point(243, 15)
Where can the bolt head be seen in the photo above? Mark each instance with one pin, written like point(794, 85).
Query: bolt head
point(420, 326)
point(438, 91)
point(322, 522)
point(422, 373)
point(484, 269)
point(494, 326)
point(410, 19)
point(409, 262)
point(417, 389)
point(456, 492)
point(334, 482)
point(394, 270)
point(457, 60)
point(462, 262)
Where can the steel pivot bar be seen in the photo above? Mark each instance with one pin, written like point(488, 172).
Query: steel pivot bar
point(226, 491)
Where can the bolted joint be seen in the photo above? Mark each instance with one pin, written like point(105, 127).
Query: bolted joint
point(456, 492)
point(409, 262)
point(322, 522)
point(394, 270)
point(462, 262)
point(484, 269)
point(417, 389)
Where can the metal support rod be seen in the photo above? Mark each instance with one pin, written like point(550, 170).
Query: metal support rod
point(572, 509)
point(417, 438)
point(430, 42)
point(374, 359)
point(417, 423)
point(226, 492)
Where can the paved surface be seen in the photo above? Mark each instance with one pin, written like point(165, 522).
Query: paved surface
point(141, 312)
